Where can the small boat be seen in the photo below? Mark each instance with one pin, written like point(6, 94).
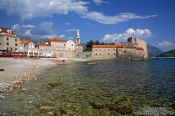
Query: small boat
point(91, 63)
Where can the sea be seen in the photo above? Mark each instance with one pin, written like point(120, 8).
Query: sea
point(105, 88)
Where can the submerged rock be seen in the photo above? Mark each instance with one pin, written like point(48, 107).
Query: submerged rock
point(2, 90)
point(122, 106)
point(97, 105)
point(46, 108)
point(2, 97)
point(54, 84)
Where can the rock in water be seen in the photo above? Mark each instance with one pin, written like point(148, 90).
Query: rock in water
point(97, 105)
point(55, 84)
point(47, 108)
point(121, 106)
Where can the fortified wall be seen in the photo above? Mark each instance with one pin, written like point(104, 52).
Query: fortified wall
point(133, 49)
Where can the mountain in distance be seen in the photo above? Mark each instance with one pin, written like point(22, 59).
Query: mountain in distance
point(170, 53)
point(153, 51)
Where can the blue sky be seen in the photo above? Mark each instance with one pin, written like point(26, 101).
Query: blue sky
point(104, 20)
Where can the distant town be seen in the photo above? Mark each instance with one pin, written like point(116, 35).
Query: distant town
point(12, 46)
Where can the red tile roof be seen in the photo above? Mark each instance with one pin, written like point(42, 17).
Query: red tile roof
point(9, 35)
point(25, 42)
point(139, 48)
point(44, 44)
point(103, 46)
point(57, 40)
point(118, 45)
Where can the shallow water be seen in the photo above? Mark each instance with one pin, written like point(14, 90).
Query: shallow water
point(108, 88)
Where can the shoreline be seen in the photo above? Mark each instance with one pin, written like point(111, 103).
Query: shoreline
point(17, 71)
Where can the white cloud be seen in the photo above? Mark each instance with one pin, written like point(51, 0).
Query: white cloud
point(122, 17)
point(98, 2)
point(28, 9)
point(141, 33)
point(28, 26)
point(166, 44)
point(28, 33)
point(43, 30)
point(61, 36)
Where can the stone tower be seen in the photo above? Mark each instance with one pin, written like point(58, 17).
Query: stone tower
point(78, 37)
point(139, 43)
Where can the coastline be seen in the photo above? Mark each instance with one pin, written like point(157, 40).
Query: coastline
point(17, 71)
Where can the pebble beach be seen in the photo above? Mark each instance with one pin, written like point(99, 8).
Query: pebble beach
point(16, 70)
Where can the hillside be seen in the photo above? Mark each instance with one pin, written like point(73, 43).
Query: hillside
point(153, 51)
point(170, 53)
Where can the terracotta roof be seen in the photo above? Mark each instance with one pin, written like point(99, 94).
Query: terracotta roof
point(77, 44)
point(9, 35)
point(118, 45)
point(139, 48)
point(103, 46)
point(57, 40)
point(25, 42)
point(44, 44)
point(131, 47)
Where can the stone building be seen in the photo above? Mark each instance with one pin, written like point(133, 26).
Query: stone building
point(45, 49)
point(104, 51)
point(8, 40)
point(135, 49)
point(139, 43)
point(28, 47)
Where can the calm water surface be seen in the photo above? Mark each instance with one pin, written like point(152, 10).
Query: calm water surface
point(108, 88)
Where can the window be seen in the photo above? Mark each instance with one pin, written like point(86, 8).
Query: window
point(0, 43)
point(64, 44)
point(72, 44)
point(15, 49)
point(7, 38)
point(108, 53)
point(15, 39)
point(11, 49)
point(16, 44)
point(7, 49)
point(7, 43)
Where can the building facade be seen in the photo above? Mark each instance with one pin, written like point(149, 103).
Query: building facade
point(8, 40)
point(139, 43)
point(130, 50)
point(104, 51)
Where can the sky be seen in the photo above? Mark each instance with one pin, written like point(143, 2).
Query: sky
point(103, 20)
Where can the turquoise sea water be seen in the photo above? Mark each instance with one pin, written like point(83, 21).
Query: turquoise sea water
point(108, 88)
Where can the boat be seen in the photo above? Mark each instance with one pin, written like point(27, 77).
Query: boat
point(91, 63)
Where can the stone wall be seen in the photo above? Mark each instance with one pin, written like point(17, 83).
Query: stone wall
point(139, 43)
point(103, 53)
point(130, 54)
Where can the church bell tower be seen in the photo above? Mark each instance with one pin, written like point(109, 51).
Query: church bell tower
point(78, 37)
